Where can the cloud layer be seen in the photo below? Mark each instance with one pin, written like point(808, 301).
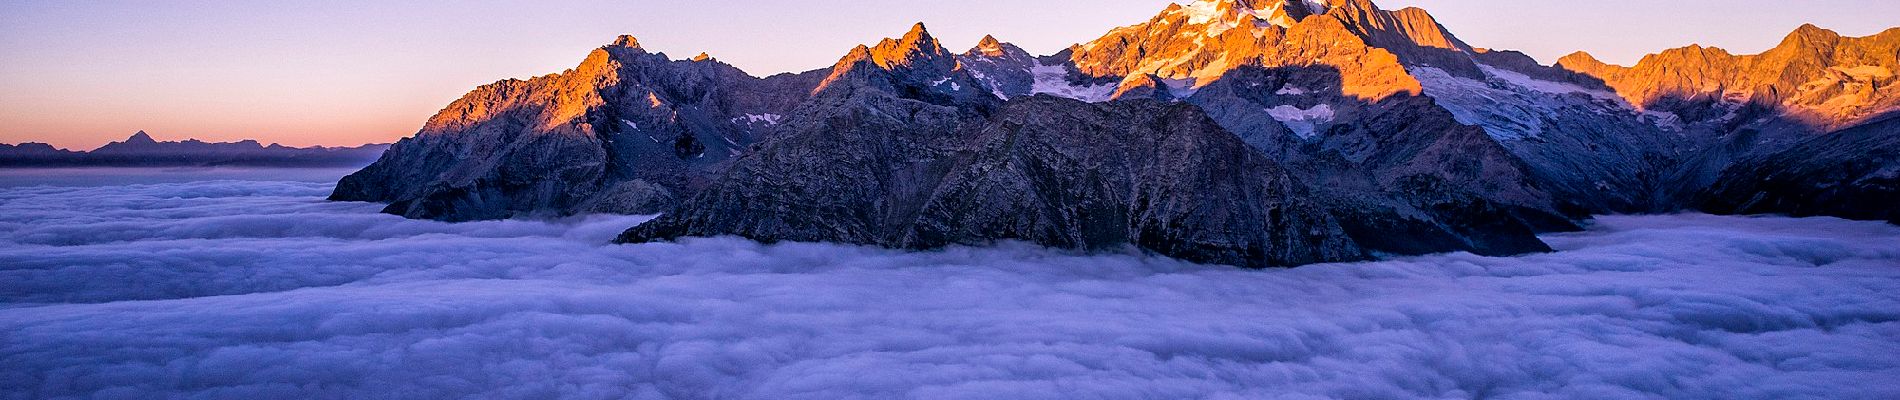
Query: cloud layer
point(258, 289)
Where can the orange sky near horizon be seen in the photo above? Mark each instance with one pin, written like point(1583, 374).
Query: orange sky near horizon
point(82, 73)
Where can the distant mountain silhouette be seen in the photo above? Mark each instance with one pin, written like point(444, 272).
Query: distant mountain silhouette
point(142, 150)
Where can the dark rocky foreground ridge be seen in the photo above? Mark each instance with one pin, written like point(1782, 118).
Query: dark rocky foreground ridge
point(1253, 133)
point(141, 150)
point(1043, 169)
point(1853, 173)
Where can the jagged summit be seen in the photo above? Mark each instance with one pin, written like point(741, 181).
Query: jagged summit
point(989, 41)
point(990, 47)
point(914, 47)
point(915, 63)
point(993, 48)
point(627, 41)
point(140, 137)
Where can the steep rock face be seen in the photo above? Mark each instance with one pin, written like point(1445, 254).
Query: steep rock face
point(1852, 173)
point(1052, 171)
point(627, 131)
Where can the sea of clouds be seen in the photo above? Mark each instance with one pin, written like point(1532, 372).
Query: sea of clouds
point(251, 286)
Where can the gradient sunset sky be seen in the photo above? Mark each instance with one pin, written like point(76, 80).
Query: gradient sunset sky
point(80, 73)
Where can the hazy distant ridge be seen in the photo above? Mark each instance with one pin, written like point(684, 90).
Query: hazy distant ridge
point(141, 150)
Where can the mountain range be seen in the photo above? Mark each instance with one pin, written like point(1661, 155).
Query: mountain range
point(142, 150)
point(1246, 132)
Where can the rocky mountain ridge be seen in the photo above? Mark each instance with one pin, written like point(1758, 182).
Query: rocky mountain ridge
point(1246, 132)
point(1814, 75)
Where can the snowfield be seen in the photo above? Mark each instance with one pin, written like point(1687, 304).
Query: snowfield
point(247, 288)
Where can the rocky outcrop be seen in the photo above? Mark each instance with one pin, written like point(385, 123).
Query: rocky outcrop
point(1853, 173)
point(627, 131)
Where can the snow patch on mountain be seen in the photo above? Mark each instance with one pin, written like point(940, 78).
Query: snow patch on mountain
point(996, 88)
point(768, 119)
point(1513, 106)
point(1525, 81)
point(1663, 119)
point(1182, 88)
point(1315, 7)
point(1505, 114)
point(1303, 121)
point(1054, 80)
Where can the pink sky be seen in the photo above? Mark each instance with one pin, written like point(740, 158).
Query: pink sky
point(80, 73)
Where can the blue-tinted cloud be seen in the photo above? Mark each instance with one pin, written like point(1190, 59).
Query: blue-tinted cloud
point(238, 289)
